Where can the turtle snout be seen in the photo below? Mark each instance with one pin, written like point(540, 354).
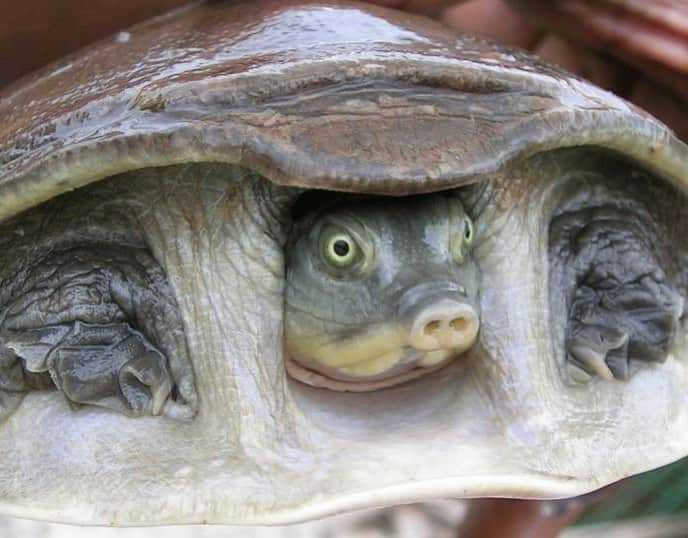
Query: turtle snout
point(445, 324)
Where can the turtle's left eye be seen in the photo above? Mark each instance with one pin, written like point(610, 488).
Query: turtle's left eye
point(340, 250)
point(461, 239)
point(467, 231)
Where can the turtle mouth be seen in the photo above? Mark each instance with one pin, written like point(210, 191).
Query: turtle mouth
point(336, 380)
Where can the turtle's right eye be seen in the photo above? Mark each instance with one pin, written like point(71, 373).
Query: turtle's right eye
point(467, 230)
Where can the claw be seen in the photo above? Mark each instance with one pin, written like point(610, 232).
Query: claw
point(600, 351)
point(591, 360)
point(113, 367)
point(145, 382)
point(619, 361)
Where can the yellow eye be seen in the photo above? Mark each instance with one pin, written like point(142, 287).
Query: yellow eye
point(340, 250)
point(467, 230)
point(461, 240)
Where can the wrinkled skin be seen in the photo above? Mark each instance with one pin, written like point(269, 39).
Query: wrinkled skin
point(410, 255)
point(243, 282)
point(401, 301)
point(71, 318)
point(622, 305)
point(621, 288)
point(91, 314)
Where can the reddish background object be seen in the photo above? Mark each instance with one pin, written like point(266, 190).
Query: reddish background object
point(34, 33)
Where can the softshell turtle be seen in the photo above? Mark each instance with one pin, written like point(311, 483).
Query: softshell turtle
point(161, 192)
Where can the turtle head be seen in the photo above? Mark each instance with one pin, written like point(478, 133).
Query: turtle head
point(379, 291)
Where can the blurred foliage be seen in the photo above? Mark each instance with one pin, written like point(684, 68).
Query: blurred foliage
point(661, 492)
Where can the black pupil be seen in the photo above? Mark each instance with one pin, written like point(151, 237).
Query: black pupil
point(341, 247)
point(467, 230)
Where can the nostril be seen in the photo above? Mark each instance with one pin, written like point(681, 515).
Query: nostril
point(444, 324)
point(432, 327)
point(459, 324)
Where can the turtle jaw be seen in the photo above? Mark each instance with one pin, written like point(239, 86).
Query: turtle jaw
point(429, 362)
point(387, 356)
point(435, 332)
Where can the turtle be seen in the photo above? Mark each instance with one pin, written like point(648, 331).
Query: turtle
point(264, 262)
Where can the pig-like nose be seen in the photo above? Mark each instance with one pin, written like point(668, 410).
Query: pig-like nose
point(445, 324)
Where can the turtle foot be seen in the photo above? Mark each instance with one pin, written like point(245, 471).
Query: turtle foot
point(112, 366)
point(597, 350)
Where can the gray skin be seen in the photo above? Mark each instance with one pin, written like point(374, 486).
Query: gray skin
point(95, 319)
point(379, 291)
point(91, 315)
point(610, 259)
point(69, 318)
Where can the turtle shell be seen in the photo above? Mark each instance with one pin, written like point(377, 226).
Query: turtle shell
point(256, 84)
point(346, 97)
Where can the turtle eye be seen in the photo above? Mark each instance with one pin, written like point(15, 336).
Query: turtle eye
point(461, 240)
point(467, 231)
point(341, 250)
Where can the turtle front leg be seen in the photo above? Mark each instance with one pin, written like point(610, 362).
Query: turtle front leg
point(622, 306)
point(623, 321)
point(596, 349)
point(101, 325)
point(111, 366)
